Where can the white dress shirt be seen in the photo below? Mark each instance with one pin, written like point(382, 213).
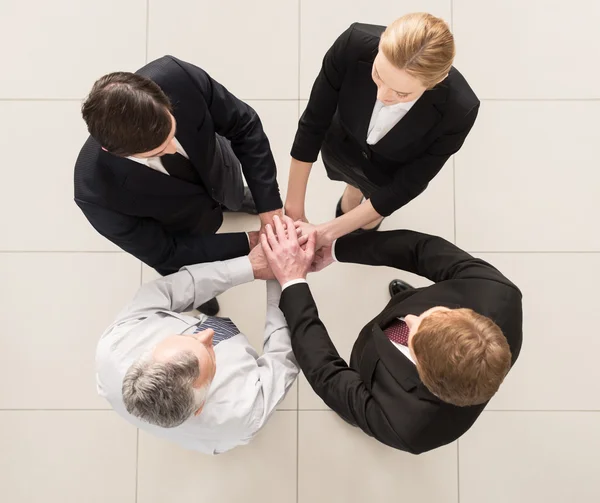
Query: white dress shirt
point(384, 118)
point(155, 163)
point(246, 388)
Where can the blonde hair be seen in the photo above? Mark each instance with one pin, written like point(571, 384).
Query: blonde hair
point(462, 356)
point(420, 44)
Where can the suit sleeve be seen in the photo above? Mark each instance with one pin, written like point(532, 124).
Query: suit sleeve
point(317, 117)
point(340, 387)
point(429, 256)
point(146, 240)
point(412, 179)
point(240, 124)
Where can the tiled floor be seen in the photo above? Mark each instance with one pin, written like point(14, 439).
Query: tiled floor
point(524, 193)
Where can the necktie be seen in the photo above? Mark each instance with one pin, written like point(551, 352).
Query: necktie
point(180, 167)
point(224, 328)
point(397, 332)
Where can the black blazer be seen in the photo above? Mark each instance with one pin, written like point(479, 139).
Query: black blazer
point(380, 391)
point(164, 221)
point(406, 159)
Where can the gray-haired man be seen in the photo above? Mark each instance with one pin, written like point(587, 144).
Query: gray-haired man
point(197, 382)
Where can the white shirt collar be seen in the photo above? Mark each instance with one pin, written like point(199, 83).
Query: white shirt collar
point(400, 106)
point(145, 161)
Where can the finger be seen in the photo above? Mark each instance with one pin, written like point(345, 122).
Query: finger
point(302, 240)
point(310, 245)
point(272, 239)
point(289, 223)
point(264, 241)
point(280, 230)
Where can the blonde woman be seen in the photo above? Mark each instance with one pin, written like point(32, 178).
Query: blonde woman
point(386, 112)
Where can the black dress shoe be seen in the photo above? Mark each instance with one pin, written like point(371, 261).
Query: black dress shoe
point(247, 206)
point(339, 213)
point(210, 308)
point(398, 286)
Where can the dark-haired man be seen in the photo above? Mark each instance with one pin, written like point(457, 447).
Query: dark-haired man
point(165, 157)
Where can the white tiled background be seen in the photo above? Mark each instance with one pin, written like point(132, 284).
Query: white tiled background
point(524, 193)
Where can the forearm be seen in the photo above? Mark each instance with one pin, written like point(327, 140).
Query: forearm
point(429, 256)
point(277, 366)
point(297, 184)
point(349, 222)
point(275, 319)
point(188, 288)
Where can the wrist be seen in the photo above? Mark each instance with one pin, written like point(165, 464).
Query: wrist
point(291, 281)
point(253, 237)
point(294, 208)
point(327, 232)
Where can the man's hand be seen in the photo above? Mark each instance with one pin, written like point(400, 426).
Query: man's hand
point(253, 238)
point(323, 258)
point(286, 256)
point(260, 266)
point(267, 218)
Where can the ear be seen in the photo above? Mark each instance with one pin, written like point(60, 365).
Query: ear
point(197, 413)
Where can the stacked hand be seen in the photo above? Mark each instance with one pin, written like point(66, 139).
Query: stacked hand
point(288, 257)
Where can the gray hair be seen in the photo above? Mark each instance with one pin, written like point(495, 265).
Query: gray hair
point(162, 393)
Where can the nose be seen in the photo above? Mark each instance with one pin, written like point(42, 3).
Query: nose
point(206, 336)
point(410, 320)
point(384, 94)
point(171, 148)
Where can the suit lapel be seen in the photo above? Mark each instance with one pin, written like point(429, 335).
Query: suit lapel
point(141, 179)
point(421, 118)
point(186, 134)
point(365, 99)
point(403, 370)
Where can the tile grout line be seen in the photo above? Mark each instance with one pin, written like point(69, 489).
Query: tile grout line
point(593, 411)
point(562, 252)
point(147, 28)
point(458, 468)
point(454, 193)
point(137, 464)
point(301, 99)
point(298, 387)
point(454, 209)
point(454, 156)
point(299, 48)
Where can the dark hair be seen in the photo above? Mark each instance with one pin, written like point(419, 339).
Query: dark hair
point(127, 113)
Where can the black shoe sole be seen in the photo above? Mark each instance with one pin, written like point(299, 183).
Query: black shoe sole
point(210, 308)
point(395, 290)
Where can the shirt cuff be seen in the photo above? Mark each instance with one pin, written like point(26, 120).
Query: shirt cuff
point(333, 251)
point(240, 270)
point(293, 282)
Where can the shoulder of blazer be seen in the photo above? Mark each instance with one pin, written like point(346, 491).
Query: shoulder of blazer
point(97, 172)
point(169, 73)
point(459, 95)
point(363, 41)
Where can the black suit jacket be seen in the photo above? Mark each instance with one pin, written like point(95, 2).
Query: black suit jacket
point(339, 111)
point(164, 221)
point(380, 391)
